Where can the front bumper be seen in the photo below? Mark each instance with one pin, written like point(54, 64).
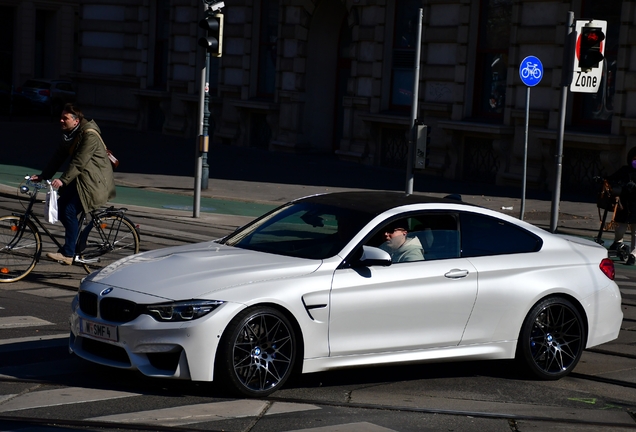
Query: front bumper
point(180, 350)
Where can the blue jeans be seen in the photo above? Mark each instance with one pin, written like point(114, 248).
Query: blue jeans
point(69, 207)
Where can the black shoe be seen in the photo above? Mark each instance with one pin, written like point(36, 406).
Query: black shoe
point(631, 260)
point(615, 246)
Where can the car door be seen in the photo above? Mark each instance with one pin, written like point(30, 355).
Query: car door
point(405, 306)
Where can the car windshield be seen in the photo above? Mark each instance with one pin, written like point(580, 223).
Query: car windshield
point(37, 84)
point(301, 230)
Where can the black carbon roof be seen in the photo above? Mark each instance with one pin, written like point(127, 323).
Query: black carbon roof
point(374, 202)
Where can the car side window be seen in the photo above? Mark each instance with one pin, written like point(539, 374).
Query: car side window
point(483, 236)
point(64, 87)
point(425, 236)
point(438, 234)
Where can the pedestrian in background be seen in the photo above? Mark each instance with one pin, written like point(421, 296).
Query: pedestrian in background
point(625, 179)
point(86, 184)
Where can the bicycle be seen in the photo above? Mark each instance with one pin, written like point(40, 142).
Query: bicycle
point(108, 236)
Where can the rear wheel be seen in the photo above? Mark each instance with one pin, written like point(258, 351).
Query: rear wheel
point(552, 338)
point(257, 352)
point(19, 249)
point(116, 237)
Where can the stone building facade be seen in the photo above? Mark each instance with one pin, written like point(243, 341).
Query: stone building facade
point(336, 77)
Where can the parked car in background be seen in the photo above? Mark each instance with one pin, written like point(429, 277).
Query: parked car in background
point(44, 95)
point(311, 287)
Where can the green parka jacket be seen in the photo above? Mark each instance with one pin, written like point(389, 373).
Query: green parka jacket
point(89, 167)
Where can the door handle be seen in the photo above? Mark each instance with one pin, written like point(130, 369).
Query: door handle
point(456, 274)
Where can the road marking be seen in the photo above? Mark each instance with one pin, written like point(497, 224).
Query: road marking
point(6, 397)
point(591, 401)
point(628, 291)
point(189, 414)
point(65, 396)
point(34, 339)
point(22, 321)
point(350, 427)
point(50, 292)
point(630, 284)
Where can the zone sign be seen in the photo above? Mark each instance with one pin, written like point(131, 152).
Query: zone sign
point(589, 53)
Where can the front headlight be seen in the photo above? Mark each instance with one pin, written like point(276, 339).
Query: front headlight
point(186, 310)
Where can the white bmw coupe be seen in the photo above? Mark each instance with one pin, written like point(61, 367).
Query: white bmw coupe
point(350, 279)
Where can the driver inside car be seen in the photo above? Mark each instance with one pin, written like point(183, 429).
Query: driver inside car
point(399, 245)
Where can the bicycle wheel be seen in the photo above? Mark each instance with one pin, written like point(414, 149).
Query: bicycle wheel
point(114, 238)
point(19, 249)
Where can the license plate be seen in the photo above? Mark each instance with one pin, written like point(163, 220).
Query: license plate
point(99, 331)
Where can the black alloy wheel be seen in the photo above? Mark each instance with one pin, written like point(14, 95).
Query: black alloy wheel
point(552, 338)
point(257, 352)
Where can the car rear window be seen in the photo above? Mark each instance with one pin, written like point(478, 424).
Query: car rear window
point(37, 84)
point(483, 236)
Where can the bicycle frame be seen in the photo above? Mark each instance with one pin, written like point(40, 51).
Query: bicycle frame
point(100, 241)
point(28, 214)
point(95, 222)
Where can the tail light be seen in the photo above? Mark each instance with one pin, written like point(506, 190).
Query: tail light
point(45, 92)
point(607, 267)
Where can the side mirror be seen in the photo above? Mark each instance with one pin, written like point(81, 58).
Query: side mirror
point(373, 256)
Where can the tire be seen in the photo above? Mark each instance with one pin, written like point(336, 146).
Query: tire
point(552, 339)
point(257, 353)
point(18, 256)
point(118, 238)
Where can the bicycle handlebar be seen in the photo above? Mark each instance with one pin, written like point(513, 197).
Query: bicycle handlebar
point(35, 185)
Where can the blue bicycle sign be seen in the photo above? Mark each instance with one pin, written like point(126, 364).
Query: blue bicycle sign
point(531, 71)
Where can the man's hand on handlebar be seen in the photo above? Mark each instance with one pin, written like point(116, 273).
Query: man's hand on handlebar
point(57, 183)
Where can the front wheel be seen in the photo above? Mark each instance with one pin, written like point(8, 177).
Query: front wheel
point(107, 240)
point(20, 247)
point(256, 353)
point(552, 338)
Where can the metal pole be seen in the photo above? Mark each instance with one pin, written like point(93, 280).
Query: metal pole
point(565, 78)
point(525, 157)
point(205, 174)
point(416, 89)
point(198, 161)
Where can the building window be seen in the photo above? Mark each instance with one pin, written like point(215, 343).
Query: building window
point(403, 54)
point(495, 17)
point(159, 75)
point(593, 111)
point(268, 38)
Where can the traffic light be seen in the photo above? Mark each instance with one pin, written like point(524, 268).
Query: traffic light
point(422, 145)
point(591, 48)
point(213, 40)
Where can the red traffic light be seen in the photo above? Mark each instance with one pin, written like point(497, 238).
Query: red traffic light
point(590, 47)
point(593, 36)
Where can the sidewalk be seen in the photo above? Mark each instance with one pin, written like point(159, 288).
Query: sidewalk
point(157, 171)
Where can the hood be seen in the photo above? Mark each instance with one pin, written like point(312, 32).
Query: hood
point(193, 271)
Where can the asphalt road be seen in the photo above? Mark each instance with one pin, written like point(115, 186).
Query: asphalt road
point(43, 388)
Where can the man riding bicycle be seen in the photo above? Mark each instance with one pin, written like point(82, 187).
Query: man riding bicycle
point(87, 183)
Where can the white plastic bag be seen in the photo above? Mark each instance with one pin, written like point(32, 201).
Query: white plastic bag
point(50, 205)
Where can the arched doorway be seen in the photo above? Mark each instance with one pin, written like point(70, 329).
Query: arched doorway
point(324, 76)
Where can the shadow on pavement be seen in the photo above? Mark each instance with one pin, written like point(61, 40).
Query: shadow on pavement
point(30, 141)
